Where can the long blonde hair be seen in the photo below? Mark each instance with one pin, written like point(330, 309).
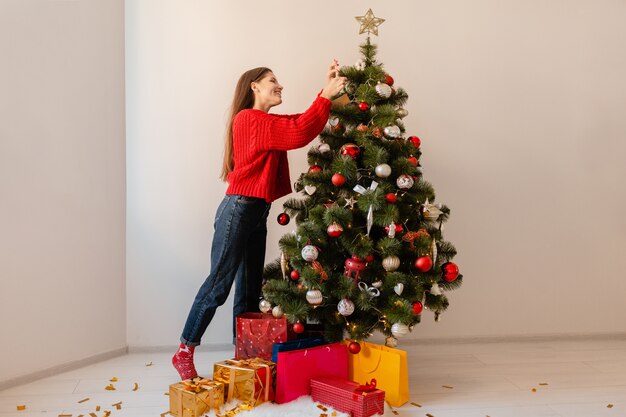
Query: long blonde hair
point(243, 99)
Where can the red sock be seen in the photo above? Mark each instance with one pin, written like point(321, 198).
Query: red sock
point(183, 362)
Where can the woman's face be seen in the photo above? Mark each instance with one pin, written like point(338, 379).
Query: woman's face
point(267, 91)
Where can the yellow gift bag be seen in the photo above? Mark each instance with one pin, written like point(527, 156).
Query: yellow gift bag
point(387, 365)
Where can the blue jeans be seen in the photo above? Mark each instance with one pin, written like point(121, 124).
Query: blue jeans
point(237, 255)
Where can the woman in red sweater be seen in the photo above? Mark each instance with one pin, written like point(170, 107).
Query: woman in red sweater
point(256, 168)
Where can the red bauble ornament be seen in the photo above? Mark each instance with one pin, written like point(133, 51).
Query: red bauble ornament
point(294, 275)
point(412, 160)
point(351, 150)
point(388, 80)
point(354, 347)
point(298, 327)
point(315, 168)
point(369, 258)
point(416, 141)
point(391, 198)
point(334, 230)
point(417, 307)
point(283, 219)
point(354, 265)
point(423, 263)
point(363, 106)
point(450, 271)
point(338, 180)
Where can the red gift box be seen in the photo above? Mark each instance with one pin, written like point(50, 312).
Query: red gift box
point(296, 368)
point(349, 397)
point(257, 333)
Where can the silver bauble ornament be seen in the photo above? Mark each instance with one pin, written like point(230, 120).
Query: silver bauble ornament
point(398, 288)
point(391, 263)
point(392, 132)
point(323, 147)
point(401, 112)
point(399, 329)
point(314, 297)
point(345, 307)
point(431, 211)
point(265, 306)
point(277, 312)
point(350, 88)
point(309, 253)
point(383, 170)
point(405, 181)
point(383, 90)
point(310, 189)
point(391, 342)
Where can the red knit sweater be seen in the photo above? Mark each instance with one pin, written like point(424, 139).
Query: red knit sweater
point(260, 144)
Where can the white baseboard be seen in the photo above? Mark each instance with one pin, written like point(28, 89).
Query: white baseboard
point(172, 348)
point(515, 338)
point(69, 366)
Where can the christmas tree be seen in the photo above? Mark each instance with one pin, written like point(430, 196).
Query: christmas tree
point(368, 251)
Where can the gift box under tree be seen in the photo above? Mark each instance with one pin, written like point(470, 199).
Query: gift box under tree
point(348, 396)
point(247, 380)
point(193, 398)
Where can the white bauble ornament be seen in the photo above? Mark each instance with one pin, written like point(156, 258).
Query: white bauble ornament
point(314, 297)
point(392, 132)
point(323, 147)
point(405, 182)
point(435, 290)
point(383, 90)
point(391, 342)
point(277, 312)
point(265, 306)
point(309, 253)
point(383, 170)
point(399, 329)
point(398, 288)
point(345, 307)
point(391, 263)
point(310, 189)
point(360, 65)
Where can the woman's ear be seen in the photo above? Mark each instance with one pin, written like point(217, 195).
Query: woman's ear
point(253, 87)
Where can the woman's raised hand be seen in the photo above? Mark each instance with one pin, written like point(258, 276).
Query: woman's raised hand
point(334, 82)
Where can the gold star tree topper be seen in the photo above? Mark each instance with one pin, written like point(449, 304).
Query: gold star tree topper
point(369, 23)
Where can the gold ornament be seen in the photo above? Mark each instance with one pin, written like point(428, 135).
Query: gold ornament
point(369, 23)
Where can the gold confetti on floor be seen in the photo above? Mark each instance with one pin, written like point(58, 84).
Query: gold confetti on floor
point(107, 413)
point(97, 408)
point(165, 413)
point(93, 414)
point(416, 404)
point(429, 415)
point(323, 415)
point(395, 412)
point(150, 364)
point(334, 414)
point(114, 379)
point(117, 405)
point(110, 387)
point(543, 383)
point(534, 390)
point(166, 393)
point(447, 386)
point(65, 415)
point(21, 407)
point(321, 407)
point(136, 387)
point(83, 400)
point(609, 406)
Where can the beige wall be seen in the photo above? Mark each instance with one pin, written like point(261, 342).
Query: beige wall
point(520, 107)
point(62, 188)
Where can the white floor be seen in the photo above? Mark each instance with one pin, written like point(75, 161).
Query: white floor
point(487, 379)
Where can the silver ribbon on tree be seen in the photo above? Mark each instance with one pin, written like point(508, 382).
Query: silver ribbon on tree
point(370, 212)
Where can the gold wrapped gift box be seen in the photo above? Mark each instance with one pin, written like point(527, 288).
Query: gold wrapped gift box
point(193, 398)
point(248, 380)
